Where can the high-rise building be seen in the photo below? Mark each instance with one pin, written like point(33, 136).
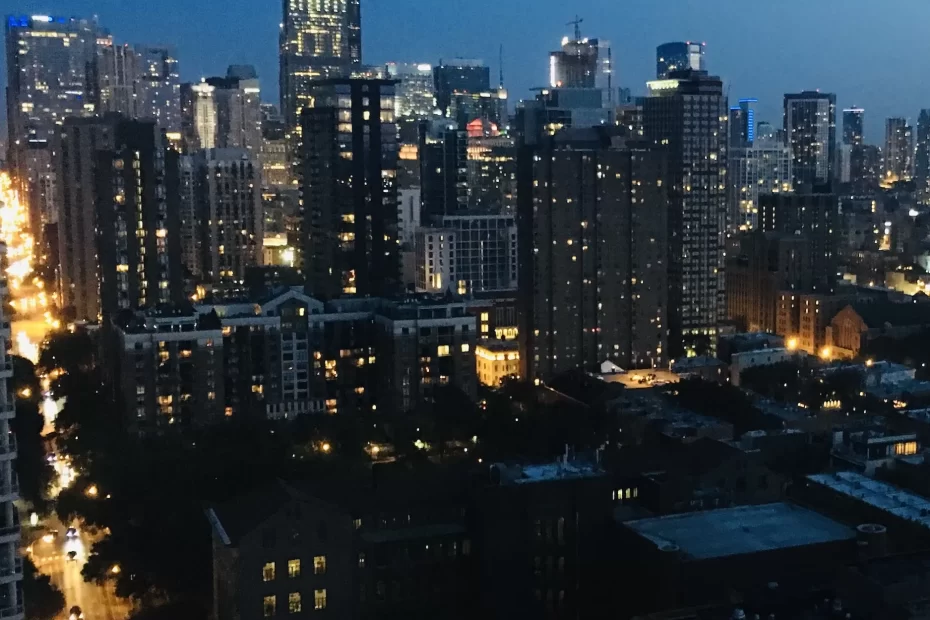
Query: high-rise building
point(853, 123)
point(461, 75)
point(922, 157)
point(899, 150)
point(557, 108)
point(119, 240)
point(348, 189)
point(679, 56)
point(583, 63)
point(158, 89)
point(116, 77)
point(229, 222)
point(810, 129)
point(814, 215)
point(318, 40)
point(443, 169)
point(593, 254)
point(865, 168)
point(762, 168)
point(238, 110)
point(50, 72)
point(743, 124)
point(199, 122)
point(686, 113)
point(492, 174)
point(11, 592)
point(416, 92)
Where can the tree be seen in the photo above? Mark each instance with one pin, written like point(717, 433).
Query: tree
point(35, 474)
point(68, 350)
point(43, 600)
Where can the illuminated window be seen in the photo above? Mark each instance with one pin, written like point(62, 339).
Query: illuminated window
point(319, 599)
point(293, 568)
point(906, 448)
point(268, 572)
point(319, 565)
point(465, 348)
point(268, 605)
point(293, 602)
point(485, 316)
point(357, 523)
point(443, 350)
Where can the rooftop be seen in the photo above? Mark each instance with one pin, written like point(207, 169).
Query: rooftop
point(883, 496)
point(739, 531)
point(548, 472)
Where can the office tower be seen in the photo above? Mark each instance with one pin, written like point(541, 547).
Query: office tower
point(487, 107)
point(461, 75)
point(686, 113)
point(119, 224)
point(853, 122)
point(899, 150)
point(199, 122)
point(318, 40)
point(443, 169)
point(762, 168)
point(158, 89)
point(348, 189)
point(468, 255)
point(575, 65)
point(190, 193)
point(116, 77)
point(40, 184)
point(865, 168)
point(11, 596)
point(50, 72)
point(492, 174)
point(229, 222)
point(922, 158)
point(416, 93)
point(743, 124)
point(811, 214)
point(237, 99)
point(764, 265)
point(679, 56)
point(810, 128)
point(593, 255)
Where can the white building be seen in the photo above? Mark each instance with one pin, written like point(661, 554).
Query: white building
point(763, 168)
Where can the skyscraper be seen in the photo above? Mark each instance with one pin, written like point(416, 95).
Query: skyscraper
point(899, 149)
point(199, 122)
point(762, 168)
point(318, 40)
point(443, 169)
point(158, 90)
point(575, 65)
point(237, 99)
point(116, 76)
point(461, 75)
point(686, 113)
point(11, 591)
point(593, 255)
point(678, 56)
point(743, 123)
point(922, 158)
point(349, 189)
point(50, 71)
point(852, 126)
point(810, 128)
point(118, 228)
point(416, 93)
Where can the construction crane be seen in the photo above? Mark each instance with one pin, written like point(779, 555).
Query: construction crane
point(577, 24)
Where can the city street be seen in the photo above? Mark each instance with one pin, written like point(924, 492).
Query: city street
point(51, 558)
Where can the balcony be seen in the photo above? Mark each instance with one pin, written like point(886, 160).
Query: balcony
point(9, 534)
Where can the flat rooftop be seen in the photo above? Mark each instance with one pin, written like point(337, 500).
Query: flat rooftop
point(641, 379)
point(741, 530)
point(547, 472)
point(887, 497)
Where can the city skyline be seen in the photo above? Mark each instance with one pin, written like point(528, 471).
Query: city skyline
point(206, 47)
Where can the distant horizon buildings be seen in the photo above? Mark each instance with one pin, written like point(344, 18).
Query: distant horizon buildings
point(899, 150)
point(678, 56)
point(810, 129)
point(853, 123)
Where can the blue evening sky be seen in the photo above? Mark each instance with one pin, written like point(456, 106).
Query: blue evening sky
point(872, 53)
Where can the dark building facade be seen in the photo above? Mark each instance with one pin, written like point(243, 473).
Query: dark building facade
point(443, 170)
point(686, 115)
point(593, 255)
point(811, 214)
point(460, 75)
point(810, 127)
point(349, 189)
point(922, 158)
point(853, 121)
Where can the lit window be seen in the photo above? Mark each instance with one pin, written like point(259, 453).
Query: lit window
point(319, 599)
point(443, 350)
point(293, 602)
point(361, 560)
point(357, 523)
point(906, 448)
point(268, 606)
point(465, 348)
point(268, 572)
point(293, 568)
point(485, 316)
point(319, 565)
